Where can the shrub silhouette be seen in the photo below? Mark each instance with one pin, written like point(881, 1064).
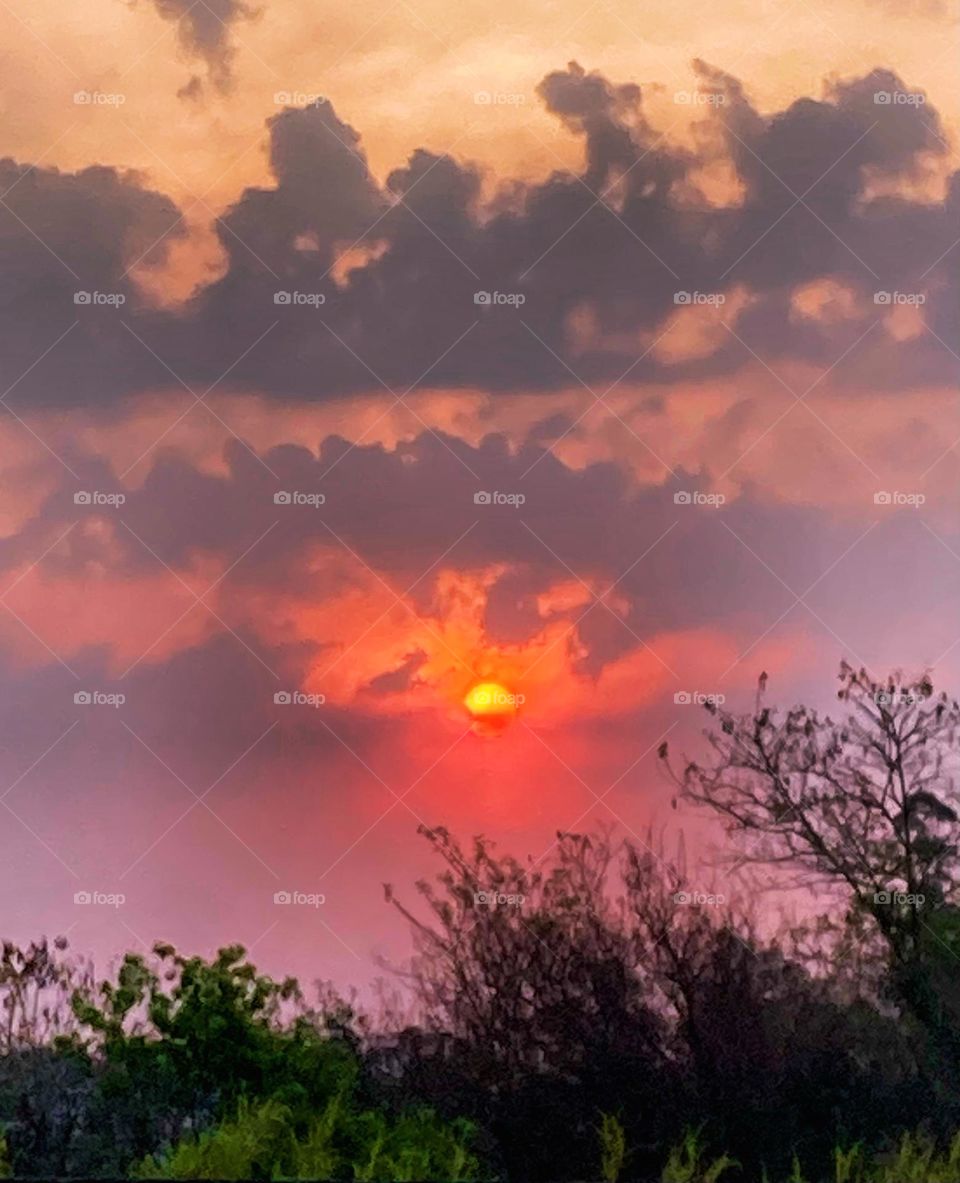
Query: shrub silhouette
point(574, 1015)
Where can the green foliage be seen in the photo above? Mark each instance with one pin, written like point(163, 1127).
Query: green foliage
point(686, 1165)
point(264, 1142)
point(259, 1144)
point(916, 1160)
point(214, 1028)
point(613, 1147)
point(416, 1145)
point(849, 1164)
point(95, 1076)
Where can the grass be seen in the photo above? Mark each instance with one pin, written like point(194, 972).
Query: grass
point(916, 1159)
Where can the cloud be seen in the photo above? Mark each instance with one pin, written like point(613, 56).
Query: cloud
point(599, 598)
point(576, 278)
point(204, 29)
point(402, 527)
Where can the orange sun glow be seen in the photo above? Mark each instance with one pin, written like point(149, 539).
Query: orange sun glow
point(491, 706)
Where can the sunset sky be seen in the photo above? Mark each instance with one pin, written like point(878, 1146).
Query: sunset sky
point(672, 287)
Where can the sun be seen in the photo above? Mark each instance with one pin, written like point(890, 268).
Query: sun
point(492, 707)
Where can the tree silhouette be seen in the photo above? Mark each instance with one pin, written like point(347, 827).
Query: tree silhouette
point(866, 804)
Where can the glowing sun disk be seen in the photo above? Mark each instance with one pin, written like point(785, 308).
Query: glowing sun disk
point(491, 706)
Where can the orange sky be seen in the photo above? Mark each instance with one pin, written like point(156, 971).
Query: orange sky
point(405, 73)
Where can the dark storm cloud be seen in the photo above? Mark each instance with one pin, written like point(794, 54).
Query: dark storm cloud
point(409, 317)
point(409, 514)
point(204, 30)
point(398, 520)
point(66, 242)
point(607, 116)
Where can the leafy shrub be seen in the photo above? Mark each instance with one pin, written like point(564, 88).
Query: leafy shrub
point(613, 1147)
point(686, 1165)
point(263, 1142)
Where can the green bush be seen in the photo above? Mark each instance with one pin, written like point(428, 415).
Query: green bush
point(916, 1160)
point(686, 1165)
point(613, 1147)
point(266, 1141)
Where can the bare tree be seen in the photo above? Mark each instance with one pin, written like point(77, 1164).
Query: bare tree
point(36, 986)
point(527, 961)
point(595, 980)
point(867, 803)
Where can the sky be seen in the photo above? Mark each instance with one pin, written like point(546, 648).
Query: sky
point(354, 356)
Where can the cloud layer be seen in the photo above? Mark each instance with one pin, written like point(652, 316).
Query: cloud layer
point(638, 264)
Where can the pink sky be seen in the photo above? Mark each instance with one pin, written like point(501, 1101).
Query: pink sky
point(715, 379)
